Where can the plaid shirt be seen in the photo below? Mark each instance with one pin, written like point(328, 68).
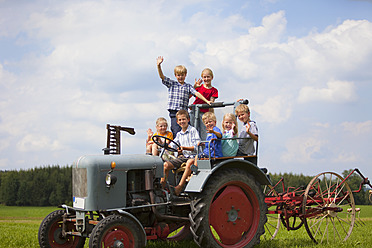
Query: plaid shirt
point(188, 138)
point(178, 94)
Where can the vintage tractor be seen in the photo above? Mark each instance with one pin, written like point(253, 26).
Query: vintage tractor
point(118, 201)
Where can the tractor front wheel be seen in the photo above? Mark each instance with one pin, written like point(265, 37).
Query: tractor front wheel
point(50, 233)
point(117, 231)
point(230, 212)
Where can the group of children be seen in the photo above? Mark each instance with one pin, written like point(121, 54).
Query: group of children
point(217, 143)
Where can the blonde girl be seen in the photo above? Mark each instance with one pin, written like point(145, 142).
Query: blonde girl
point(161, 129)
point(230, 131)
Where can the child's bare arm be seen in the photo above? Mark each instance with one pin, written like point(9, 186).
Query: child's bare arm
point(187, 148)
point(253, 136)
point(212, 100)
point(210, 130)
point(219, 135)
point(198, 95)
point(160, 60)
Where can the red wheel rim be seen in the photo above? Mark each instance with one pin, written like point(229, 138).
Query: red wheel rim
point(117, 235)
point(56, 238)
point(234, 214)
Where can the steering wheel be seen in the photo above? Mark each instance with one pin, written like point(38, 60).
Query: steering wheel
point(165, 145)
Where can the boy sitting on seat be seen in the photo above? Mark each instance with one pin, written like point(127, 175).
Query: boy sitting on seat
point(187, 138)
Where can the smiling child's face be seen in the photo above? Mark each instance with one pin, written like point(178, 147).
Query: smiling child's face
point(180, 78)
point(228, 123)
point(207, 78)
point(162, 127)
point(209, 124)
point(243, 116)
point(183, 121)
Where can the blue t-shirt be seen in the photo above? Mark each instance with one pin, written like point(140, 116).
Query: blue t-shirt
point(215, 146)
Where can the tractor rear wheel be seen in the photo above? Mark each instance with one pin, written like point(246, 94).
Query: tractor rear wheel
point(50, 233)
point(230, 212)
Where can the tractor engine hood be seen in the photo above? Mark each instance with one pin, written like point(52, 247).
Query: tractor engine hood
point(89, 179)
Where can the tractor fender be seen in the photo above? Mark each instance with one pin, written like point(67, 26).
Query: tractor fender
point(129, 215)
point(199, 179)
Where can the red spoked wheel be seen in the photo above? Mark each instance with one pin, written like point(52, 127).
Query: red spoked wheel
point(117, 231)
point(325, 208)
point(50, 232)
point(293, 222)
point(230, 212)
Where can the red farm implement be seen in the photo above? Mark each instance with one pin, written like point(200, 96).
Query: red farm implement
point(326, 207)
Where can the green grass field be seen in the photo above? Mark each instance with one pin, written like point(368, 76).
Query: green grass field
point(19, 227)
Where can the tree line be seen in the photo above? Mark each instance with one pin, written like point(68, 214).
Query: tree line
point(44, 186)
point(52, 186)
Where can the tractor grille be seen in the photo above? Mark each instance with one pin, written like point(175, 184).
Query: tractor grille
point(136, 181)
point(79, 182)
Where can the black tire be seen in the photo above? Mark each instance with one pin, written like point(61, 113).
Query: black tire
point(50, 233)
point(230, 212)
point(117, 230)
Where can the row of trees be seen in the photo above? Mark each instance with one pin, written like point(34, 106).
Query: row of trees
point(52, 186)
point(45, 186)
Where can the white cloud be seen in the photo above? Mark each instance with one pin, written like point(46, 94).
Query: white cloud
point(37, 142)
point(305, 149)
point(322, 125)
point(325, 146)
point(238, 53)
point(339, 50)
point(348, 157)
point(336, 91)
point(276, 109)
point(358, 128)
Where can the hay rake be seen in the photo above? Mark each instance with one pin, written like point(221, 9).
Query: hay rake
point(326, 207)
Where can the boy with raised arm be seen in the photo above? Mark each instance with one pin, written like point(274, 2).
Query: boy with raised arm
point(178, 93)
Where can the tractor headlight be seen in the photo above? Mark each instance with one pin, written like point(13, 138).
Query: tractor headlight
point(110, 180)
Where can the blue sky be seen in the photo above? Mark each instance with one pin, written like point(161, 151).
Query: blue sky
point(69, 67)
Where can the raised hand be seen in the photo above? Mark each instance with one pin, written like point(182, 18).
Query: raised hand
point(159, 60)
point(247, 127)
point(150, 132)
point(198, 83)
